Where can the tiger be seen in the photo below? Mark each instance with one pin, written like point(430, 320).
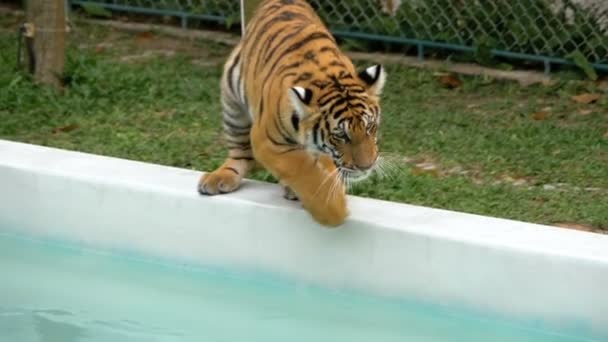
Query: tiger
point(294, 103)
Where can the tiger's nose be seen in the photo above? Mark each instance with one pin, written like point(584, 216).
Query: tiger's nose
point(364, 165)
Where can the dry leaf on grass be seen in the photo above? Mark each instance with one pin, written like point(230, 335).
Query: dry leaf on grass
point(586, 98)
point(585, 112)
point(145, 35)
point(450, 81)
point(539, 116)
point(575, 226)
point(419, 171)
point(66, 129)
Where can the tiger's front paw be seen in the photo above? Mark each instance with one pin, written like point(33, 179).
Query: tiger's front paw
point(220, 181)
point(332, 214)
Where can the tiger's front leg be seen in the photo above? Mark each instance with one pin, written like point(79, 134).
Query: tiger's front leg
point(325, 161)
point(316, 183)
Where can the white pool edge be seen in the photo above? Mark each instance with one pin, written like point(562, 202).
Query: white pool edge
point(505, 267)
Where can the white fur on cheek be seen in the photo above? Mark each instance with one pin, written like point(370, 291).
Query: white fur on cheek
point(296, 101)
point(381, 79)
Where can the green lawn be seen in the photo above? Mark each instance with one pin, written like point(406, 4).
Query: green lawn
point(475, 149)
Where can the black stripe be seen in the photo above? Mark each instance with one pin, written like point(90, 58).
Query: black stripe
point(281, 126)
point(357, 105)
point(320, 84)
point(231, 71)
point(340, 112)
point(241, 158)
point(295, 46)
point(261, 107)
point(265, 48)
point(282, 70)
point(291, 149)
point(232, 169)
point(334, 96)
point(338, 102)
point(315, 129)
point(244, 145)
point(345, 76)
point(236, 127)
point(253, 27)
point(337, 63)
point(355, 89)
point(305, 76)
point(285, 76)
point(271, 52)
point(295, 121)
point(275, 142)
point(331, 49)
point(281, 17)
point(310, 54)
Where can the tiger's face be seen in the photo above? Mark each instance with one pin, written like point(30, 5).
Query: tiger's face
point(343, 121)
point(353, 145)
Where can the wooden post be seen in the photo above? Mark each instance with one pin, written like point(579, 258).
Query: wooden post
point(45, 32)
point(247, 9)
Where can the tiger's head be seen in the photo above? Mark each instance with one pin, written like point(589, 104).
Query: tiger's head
point(339, 116)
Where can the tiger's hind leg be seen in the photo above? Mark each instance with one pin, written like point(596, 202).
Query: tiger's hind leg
point(237, 126)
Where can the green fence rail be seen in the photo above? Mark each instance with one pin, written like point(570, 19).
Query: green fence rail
point(546, 31)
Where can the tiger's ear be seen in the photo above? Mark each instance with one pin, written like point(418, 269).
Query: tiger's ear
point(374, 77)
point(300, 99)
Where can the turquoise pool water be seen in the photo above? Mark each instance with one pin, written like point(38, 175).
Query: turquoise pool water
point(64, 294)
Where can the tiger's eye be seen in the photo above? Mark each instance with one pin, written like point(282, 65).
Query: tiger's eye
point(341, 135)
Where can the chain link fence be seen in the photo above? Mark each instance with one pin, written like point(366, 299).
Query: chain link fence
point(547, 31)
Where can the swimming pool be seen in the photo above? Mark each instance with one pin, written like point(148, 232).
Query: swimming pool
point(95, 248)
point(54, 292)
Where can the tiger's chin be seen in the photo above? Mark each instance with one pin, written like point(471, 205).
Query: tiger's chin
point(349, 176)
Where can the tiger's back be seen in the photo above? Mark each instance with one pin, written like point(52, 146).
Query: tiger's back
point(293, 102)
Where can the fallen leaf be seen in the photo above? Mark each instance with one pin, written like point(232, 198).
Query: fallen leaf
point(539, 116)
point(586, 98)
point(549, 187)
point(66, 129)
point(99, 48)
point(145, 35)
point(450, 81)
point(520, 182)
point(419, 171)
point(584, 112)
point(575, 226)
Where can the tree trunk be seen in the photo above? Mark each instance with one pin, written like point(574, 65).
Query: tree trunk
point(46, 39)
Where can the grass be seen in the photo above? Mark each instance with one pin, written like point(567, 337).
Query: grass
point(476, 148)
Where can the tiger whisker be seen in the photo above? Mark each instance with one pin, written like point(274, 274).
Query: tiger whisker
point(327, 178)
point(332, 189)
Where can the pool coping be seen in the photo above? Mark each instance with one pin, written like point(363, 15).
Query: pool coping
point(379, 246)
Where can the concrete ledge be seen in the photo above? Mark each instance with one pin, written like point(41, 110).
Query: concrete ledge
point(553, 277)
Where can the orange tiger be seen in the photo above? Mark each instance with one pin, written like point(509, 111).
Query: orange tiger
point(293, 102)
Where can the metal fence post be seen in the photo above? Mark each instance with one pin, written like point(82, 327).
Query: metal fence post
point(247, 9)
